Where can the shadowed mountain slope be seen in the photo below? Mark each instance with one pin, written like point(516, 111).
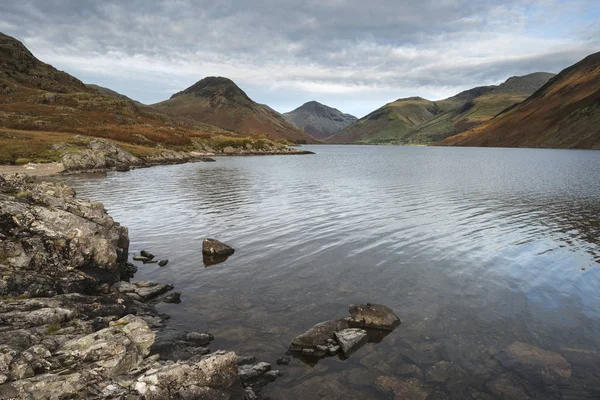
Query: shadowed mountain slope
point(319, 120)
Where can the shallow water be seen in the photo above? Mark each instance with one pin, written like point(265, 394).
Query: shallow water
point(473, 248)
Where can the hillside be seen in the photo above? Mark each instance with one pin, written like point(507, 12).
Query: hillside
point(109, 92)
point(219, 101)
point(447, 117)
point(564, 113)
point(44, 112)
point(319, 120)
point(391, 123)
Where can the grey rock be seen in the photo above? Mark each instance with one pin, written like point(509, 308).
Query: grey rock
point(140, 258)
point(245, 360)
point(374, 316)
point(147, 254)
point(162, 263)
point(212, 247)
point(318, 335)
point(174, 297)
point(283, 361)
point(351, 339)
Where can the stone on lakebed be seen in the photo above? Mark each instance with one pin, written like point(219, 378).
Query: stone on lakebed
point(373, 316)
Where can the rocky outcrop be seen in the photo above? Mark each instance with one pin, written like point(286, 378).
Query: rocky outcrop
point(69, 328)
point(102, 155)
point(351, 340)
point(55, 243)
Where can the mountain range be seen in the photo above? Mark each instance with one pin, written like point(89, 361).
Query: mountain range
point(416, 120)
point(535, 110)
point(319, 120)
point(564, 113)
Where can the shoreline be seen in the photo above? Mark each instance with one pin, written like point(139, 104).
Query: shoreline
point(72, 324)
point(41, 170)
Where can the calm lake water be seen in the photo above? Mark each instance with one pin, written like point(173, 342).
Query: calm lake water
point(474, 249)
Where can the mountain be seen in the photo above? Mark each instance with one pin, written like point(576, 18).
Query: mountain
point(564, 113)
point(388, 124)
point(111, 93)
point(397, 122)
point(219, 101)
point(319, 120)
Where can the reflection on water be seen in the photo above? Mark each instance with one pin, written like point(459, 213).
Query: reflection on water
point(473, 248)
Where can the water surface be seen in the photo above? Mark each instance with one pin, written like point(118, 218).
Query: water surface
point(473, 248)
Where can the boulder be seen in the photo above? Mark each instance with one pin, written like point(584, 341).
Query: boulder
point(162, 263)
point(147, 254)
point(212, 247)
point(351, 339)
point(373, 316)
point(174, 298)
point(534, 363)
point(177, 345)
point(315, 340)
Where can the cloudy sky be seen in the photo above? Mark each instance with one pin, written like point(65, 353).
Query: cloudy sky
point(354, 55)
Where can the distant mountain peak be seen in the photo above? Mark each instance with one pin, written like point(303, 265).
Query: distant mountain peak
point(319, 120)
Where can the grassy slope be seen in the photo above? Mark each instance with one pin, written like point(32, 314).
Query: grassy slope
point(564, 113)
point(388, 124)
point(412, 121)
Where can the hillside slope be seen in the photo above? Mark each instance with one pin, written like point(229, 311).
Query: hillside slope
point(45, 113)
point(219, 101)
point(319, 120)
point(564, 113)
point(391, 123)
point(419, 121)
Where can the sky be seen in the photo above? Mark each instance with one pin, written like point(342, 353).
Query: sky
point(353, 55)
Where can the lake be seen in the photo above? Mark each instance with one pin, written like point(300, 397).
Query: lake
point(474, 249)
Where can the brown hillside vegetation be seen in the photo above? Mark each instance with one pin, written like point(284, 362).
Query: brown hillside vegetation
point(564, 113)
point(53, 106)
point(219, 101)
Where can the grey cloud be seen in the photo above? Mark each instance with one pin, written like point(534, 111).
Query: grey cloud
point(291, 51)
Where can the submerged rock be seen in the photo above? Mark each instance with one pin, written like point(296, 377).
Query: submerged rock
point(162, 263)
point(534, 363)
point(406, 389)
point(373, 316)
point(212, 247)
point(351, 339)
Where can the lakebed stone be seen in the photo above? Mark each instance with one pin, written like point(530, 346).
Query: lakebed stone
point(534, 363)
point(351, 339)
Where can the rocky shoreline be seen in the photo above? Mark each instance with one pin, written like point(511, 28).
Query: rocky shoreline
point(72, 326)
point(104, 155)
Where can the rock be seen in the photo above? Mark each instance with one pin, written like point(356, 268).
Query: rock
point(54, 242)
point(215, 377)
point(250, 373)
point(283, 361)
point(403, 389)
point(101, 154)
point(245, 360)
point(162, 263)
point(351, 339)
point(209, 260)
point(317, 336)
point(409, 370)
point(142, 290)
point(212, 247)
point(147, 254)
point(140, 258)
point(114, 350)
point(374, 316)
point(506, 387)
point(176, 345)
point(534, 363)
point(174, 297)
